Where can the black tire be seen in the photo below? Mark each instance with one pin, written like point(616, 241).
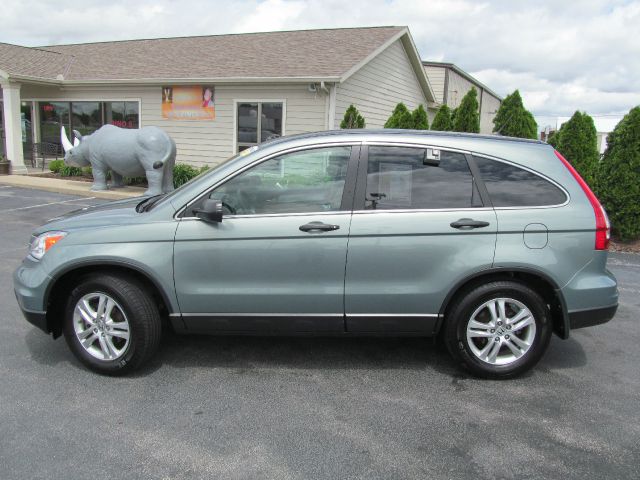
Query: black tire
point(461, 311)
point(141, 313)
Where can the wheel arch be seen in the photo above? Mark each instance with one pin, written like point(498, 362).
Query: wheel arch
point(63, 281)
point(535, 279)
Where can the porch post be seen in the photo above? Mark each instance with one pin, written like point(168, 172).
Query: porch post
point(13, 126)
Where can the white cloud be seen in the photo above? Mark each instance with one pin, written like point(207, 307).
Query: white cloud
point(562, 56)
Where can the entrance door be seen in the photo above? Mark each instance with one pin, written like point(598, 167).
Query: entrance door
point(276, 261)
point(423, 227)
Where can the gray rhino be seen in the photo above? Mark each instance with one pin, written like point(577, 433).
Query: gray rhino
point(126, 153)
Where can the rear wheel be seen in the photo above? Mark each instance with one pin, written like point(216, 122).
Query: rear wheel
point(111, 323)
point(498, 330)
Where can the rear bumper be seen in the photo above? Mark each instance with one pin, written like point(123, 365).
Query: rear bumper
point(591, 317)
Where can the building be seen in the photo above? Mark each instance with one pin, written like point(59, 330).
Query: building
point(450, 84)
point(215, 95)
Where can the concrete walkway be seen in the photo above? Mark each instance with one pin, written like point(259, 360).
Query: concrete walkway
point(71, 187)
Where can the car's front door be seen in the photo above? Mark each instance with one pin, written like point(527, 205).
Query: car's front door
point(276, 261)
point(418, 227)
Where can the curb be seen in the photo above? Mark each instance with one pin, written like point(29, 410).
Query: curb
point(69, 187)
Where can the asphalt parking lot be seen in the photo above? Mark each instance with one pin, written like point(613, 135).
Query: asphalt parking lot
point(292, 408)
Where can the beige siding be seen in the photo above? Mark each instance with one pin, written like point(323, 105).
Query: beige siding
point(436, 76)
point(377, 87)
point(490, 105)
point(210, 142)
point(458, 88)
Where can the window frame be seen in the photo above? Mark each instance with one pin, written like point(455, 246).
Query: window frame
point(361, 186)
point(236, 101)
point(346, 205)
point(522, 167)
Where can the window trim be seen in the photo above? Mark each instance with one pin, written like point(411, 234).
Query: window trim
point(236, 101)
point(361, 187)
point(530, 170)
point(349, 186)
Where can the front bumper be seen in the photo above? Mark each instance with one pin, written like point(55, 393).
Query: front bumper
point(591, 317)
point(30, 284)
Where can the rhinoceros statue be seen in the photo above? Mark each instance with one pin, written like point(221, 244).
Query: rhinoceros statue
point(125, 153)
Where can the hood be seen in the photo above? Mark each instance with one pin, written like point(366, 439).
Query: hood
point(110, 213)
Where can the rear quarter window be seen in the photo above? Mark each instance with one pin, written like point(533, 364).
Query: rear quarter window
point(510, 186)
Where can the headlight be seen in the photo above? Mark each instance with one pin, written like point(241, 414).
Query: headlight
point(42, 243)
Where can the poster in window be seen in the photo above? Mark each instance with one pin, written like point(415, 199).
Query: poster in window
point(189, 102)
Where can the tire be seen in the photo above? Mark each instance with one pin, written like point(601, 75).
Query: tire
point(498, 346)
point(129, 330)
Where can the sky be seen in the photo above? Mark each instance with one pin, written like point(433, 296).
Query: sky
point(562, 55)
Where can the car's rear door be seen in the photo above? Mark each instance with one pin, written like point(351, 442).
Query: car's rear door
point(276, 261)
point(417, 229)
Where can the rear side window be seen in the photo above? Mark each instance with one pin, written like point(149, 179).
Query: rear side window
point(397, 178)
point(511, 186)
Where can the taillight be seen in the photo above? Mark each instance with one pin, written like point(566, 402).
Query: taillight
point(603, 227)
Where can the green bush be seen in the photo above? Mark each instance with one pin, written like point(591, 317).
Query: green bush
point(56, 165)
point(352, 119)
point(67, 171)
point(420, 118)
point(182, 173)
point(577, 142)
point(618, 181)
point(467, 117)
point(400, 118)
point(513, 120)
point(442, 121)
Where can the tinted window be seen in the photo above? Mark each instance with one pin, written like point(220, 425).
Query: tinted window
point(309, 181)
point(511, 186)
point(397, 178)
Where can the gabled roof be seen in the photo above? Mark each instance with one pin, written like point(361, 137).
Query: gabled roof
point(462, 73)
point(327, 54)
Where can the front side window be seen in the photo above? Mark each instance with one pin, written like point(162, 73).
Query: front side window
point(299, 182)
point(510, 186)
point(399, 178)
point(258, 122)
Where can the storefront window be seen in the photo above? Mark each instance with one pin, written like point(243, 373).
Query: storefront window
point(85, 117)
point(53, 115)
point(122, 114)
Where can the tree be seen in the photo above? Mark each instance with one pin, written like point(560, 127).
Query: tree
point(467, 115)
point(553, 138)
point(578, 143)
point(513, 120)
point(400, 118)
point(442, 121)
point(352, 118)
point(618, 185)
point(420, 118)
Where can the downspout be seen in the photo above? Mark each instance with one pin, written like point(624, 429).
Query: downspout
point(332, 107)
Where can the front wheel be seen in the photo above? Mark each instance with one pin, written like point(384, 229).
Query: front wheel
point(111, 324)
point(498, 330)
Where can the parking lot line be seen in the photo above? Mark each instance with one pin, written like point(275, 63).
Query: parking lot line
point(51, 203)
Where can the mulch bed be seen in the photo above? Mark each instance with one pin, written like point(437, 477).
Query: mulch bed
point(87, 178)
point(628, 247)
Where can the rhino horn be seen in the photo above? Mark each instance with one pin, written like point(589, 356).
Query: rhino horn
point(66, 144)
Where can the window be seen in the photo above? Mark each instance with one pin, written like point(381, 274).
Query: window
point(307, 181)
point(86, 117)
point(511, 186)
point(397, 178)
point(258, 122)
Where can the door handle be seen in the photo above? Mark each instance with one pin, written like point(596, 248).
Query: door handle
point(318, 226)
point(468, 224)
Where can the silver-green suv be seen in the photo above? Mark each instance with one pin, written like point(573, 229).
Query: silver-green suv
point(492, 243)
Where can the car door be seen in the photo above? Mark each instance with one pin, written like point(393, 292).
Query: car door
point(421, 223)
point(276, 260)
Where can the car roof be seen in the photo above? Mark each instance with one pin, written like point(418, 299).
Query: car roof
point(390, 132)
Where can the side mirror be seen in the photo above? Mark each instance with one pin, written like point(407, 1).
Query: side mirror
point(211, 211)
